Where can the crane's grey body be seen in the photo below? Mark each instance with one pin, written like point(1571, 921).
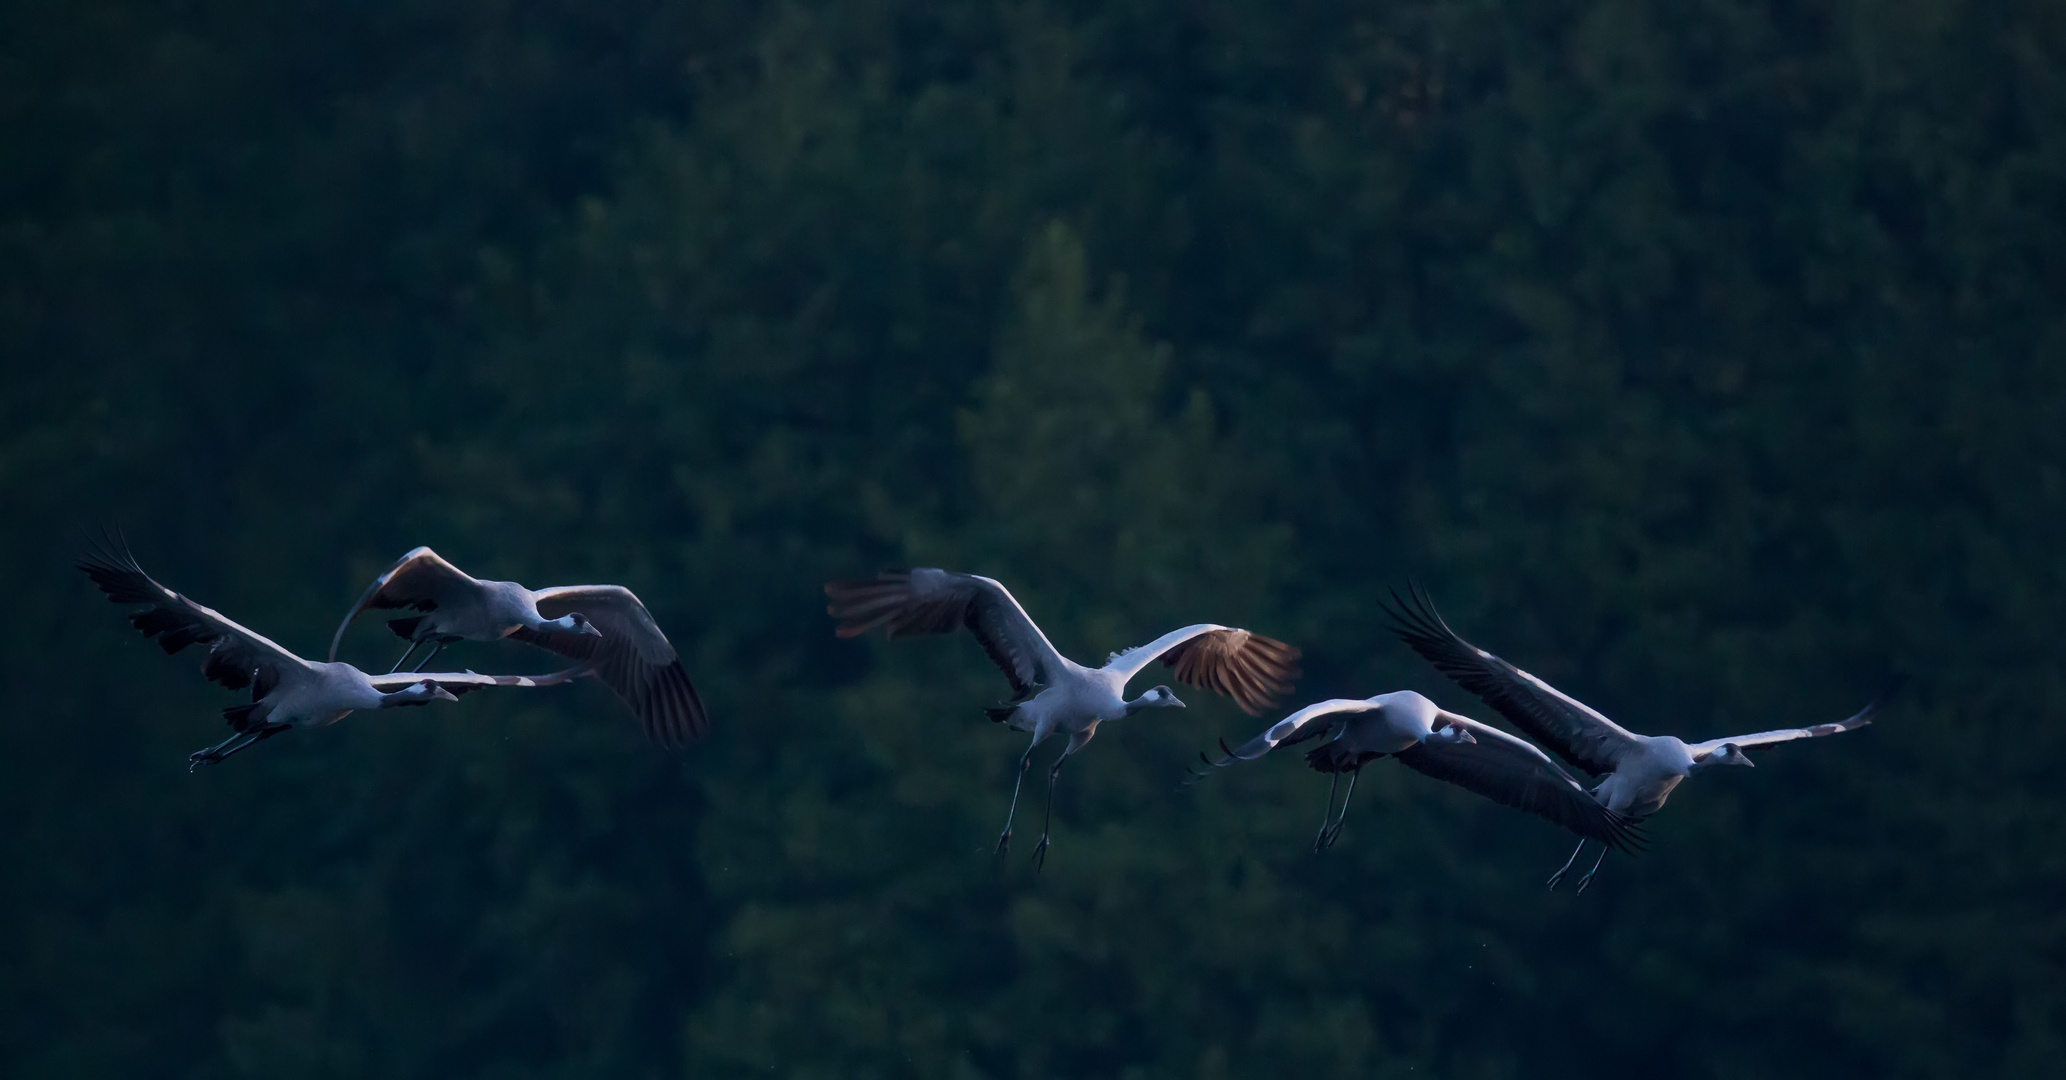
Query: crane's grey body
point(287, 691)
point(605, 628)
point(1638, 772)
point(1438, 743)
point(1051, 692)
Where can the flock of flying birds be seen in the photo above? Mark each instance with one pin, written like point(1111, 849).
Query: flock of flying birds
point(607, 634)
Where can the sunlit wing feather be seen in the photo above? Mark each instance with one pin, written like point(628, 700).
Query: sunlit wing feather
point(422, 580)
point(1859, 719)
point(1248, 668)
point(1310, 722)
point(933, 601)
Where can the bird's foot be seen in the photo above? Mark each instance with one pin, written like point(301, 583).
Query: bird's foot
point(202, 757)
point(1584, 881)
point(1004, 841)
point(1040, 853)
point(1557, 878)
point(1329, 836)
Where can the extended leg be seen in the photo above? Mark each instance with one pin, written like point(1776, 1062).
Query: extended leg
point(1566, 868)
point(405, 657)
point(436, 647)
point(1327, 814)
point(1076, 742)
point(1334, 832)
point(1025, 759)
point(1588, 878)
point(231, 745)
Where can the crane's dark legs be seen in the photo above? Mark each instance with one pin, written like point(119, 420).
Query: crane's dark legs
point(1004, 838)
point(1040, 849)
point(1566, 868)
point(436, 647)
point(1333, 833)
point(1588, 878)
point(1327, 814)
point(231, 745)
point(405, 657)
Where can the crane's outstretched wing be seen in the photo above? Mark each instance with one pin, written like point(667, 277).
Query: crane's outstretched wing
point(421, 580)
point(236, 658)
point(1859, 719)
point(1307, 723)
point(1252, 670)
point(632, 657)
point(1512, 773)
point(464, 682)
point(932, 601)
point(1576, 731)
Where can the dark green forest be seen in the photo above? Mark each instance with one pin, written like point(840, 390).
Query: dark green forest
point(1706, 358)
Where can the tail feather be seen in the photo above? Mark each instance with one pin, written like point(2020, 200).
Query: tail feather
point(1333, 757)
point(406, 628)
point(247, 717)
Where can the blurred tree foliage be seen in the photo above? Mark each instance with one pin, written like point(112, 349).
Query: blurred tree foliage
point(1704, 358)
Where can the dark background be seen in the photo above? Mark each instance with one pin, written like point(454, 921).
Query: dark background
point(1702, 357)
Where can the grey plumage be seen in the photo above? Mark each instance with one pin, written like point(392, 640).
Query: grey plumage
point(1639, 772)
point(286, 691)
point(1050, 692)
point(1441, 744)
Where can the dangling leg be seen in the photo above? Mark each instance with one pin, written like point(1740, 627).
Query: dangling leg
point(1566, 868)
point(1076, 742)
point(231, 745)
point(1327, 815)
point(1025, 759)
point(220, 750)
point(436, 647)
point(405, 657)
point(1588, 878)
point(1334, 833)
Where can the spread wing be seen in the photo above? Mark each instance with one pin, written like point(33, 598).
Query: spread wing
point(236, 658)
point(1307, 723)
point(422, 579)
point(1576, 731)
point(1247, 667)
point(930, 601)
point(1512, 773)
point(633, 657)
point(1859, 719)
point(464, 682)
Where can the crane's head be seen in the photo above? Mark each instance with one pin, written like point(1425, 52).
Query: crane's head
point(1451, 733)
point(418, 693)
point(1160, 697)
point(575, 623)
point(1728, 754)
